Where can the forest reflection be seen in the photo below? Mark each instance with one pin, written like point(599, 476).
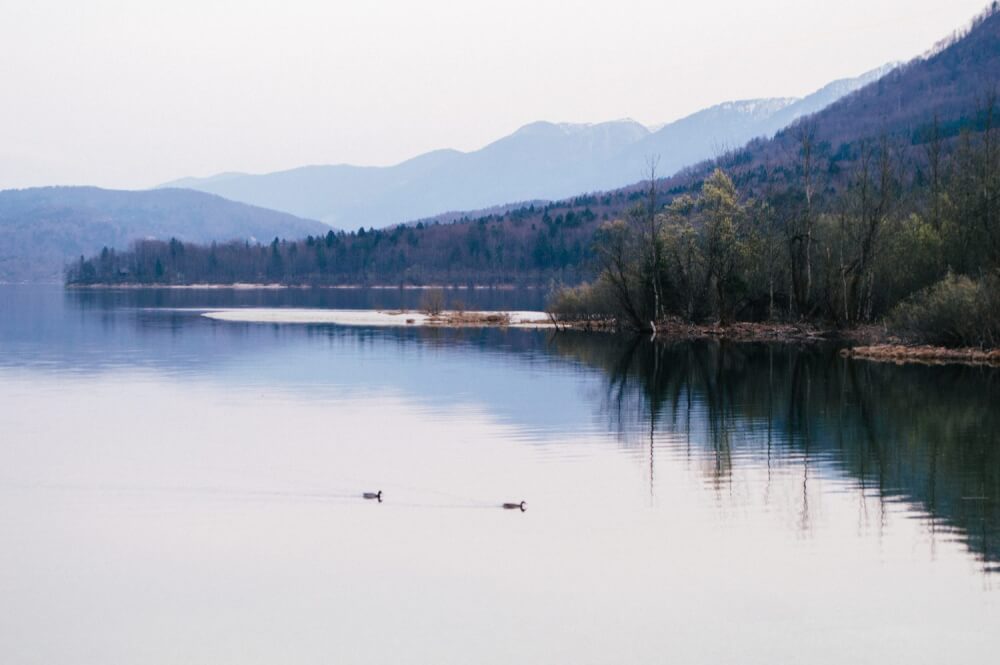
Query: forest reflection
point(929, 435)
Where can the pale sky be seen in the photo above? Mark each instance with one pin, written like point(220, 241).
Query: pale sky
point(133, 93)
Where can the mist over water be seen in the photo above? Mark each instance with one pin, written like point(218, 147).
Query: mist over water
point(177, 489)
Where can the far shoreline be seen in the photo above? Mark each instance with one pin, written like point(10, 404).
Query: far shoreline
point(276, 286)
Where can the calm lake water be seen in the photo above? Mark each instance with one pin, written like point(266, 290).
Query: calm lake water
point(180, 490)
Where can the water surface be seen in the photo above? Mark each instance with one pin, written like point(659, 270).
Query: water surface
point(177, 489)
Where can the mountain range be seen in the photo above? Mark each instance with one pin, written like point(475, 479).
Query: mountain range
point(884, 135)
point(540, 161)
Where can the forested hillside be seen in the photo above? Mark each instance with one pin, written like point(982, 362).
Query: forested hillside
point(527, 245)
point(886, 204)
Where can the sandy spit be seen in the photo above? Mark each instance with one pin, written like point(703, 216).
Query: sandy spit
point(388, 318)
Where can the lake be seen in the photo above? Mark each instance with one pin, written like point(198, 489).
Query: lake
point(175, 489)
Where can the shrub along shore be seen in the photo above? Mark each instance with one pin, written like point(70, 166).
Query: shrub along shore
point(874, 343)
point(932, 355)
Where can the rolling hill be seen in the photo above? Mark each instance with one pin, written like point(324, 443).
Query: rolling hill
point(45, 227)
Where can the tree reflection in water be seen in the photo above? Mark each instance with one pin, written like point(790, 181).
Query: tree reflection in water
point(923, 434)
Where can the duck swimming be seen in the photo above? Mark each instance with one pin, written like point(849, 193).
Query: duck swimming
point(373, 495)
point(515, 506)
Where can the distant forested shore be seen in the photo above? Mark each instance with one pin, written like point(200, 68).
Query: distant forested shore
point(528, 246)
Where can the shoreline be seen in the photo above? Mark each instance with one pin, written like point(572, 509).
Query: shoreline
point(275, 286)
point(740, 331)
point(870, 343)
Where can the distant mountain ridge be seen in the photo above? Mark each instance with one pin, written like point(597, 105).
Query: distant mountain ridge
point(540, 161)
point(44, 227)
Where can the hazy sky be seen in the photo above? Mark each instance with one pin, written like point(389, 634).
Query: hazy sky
point(130, 94)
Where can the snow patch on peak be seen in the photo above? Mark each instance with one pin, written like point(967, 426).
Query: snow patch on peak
point(543, 127)
point(757, 107)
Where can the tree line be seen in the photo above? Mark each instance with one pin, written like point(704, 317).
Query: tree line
point(529, 245)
